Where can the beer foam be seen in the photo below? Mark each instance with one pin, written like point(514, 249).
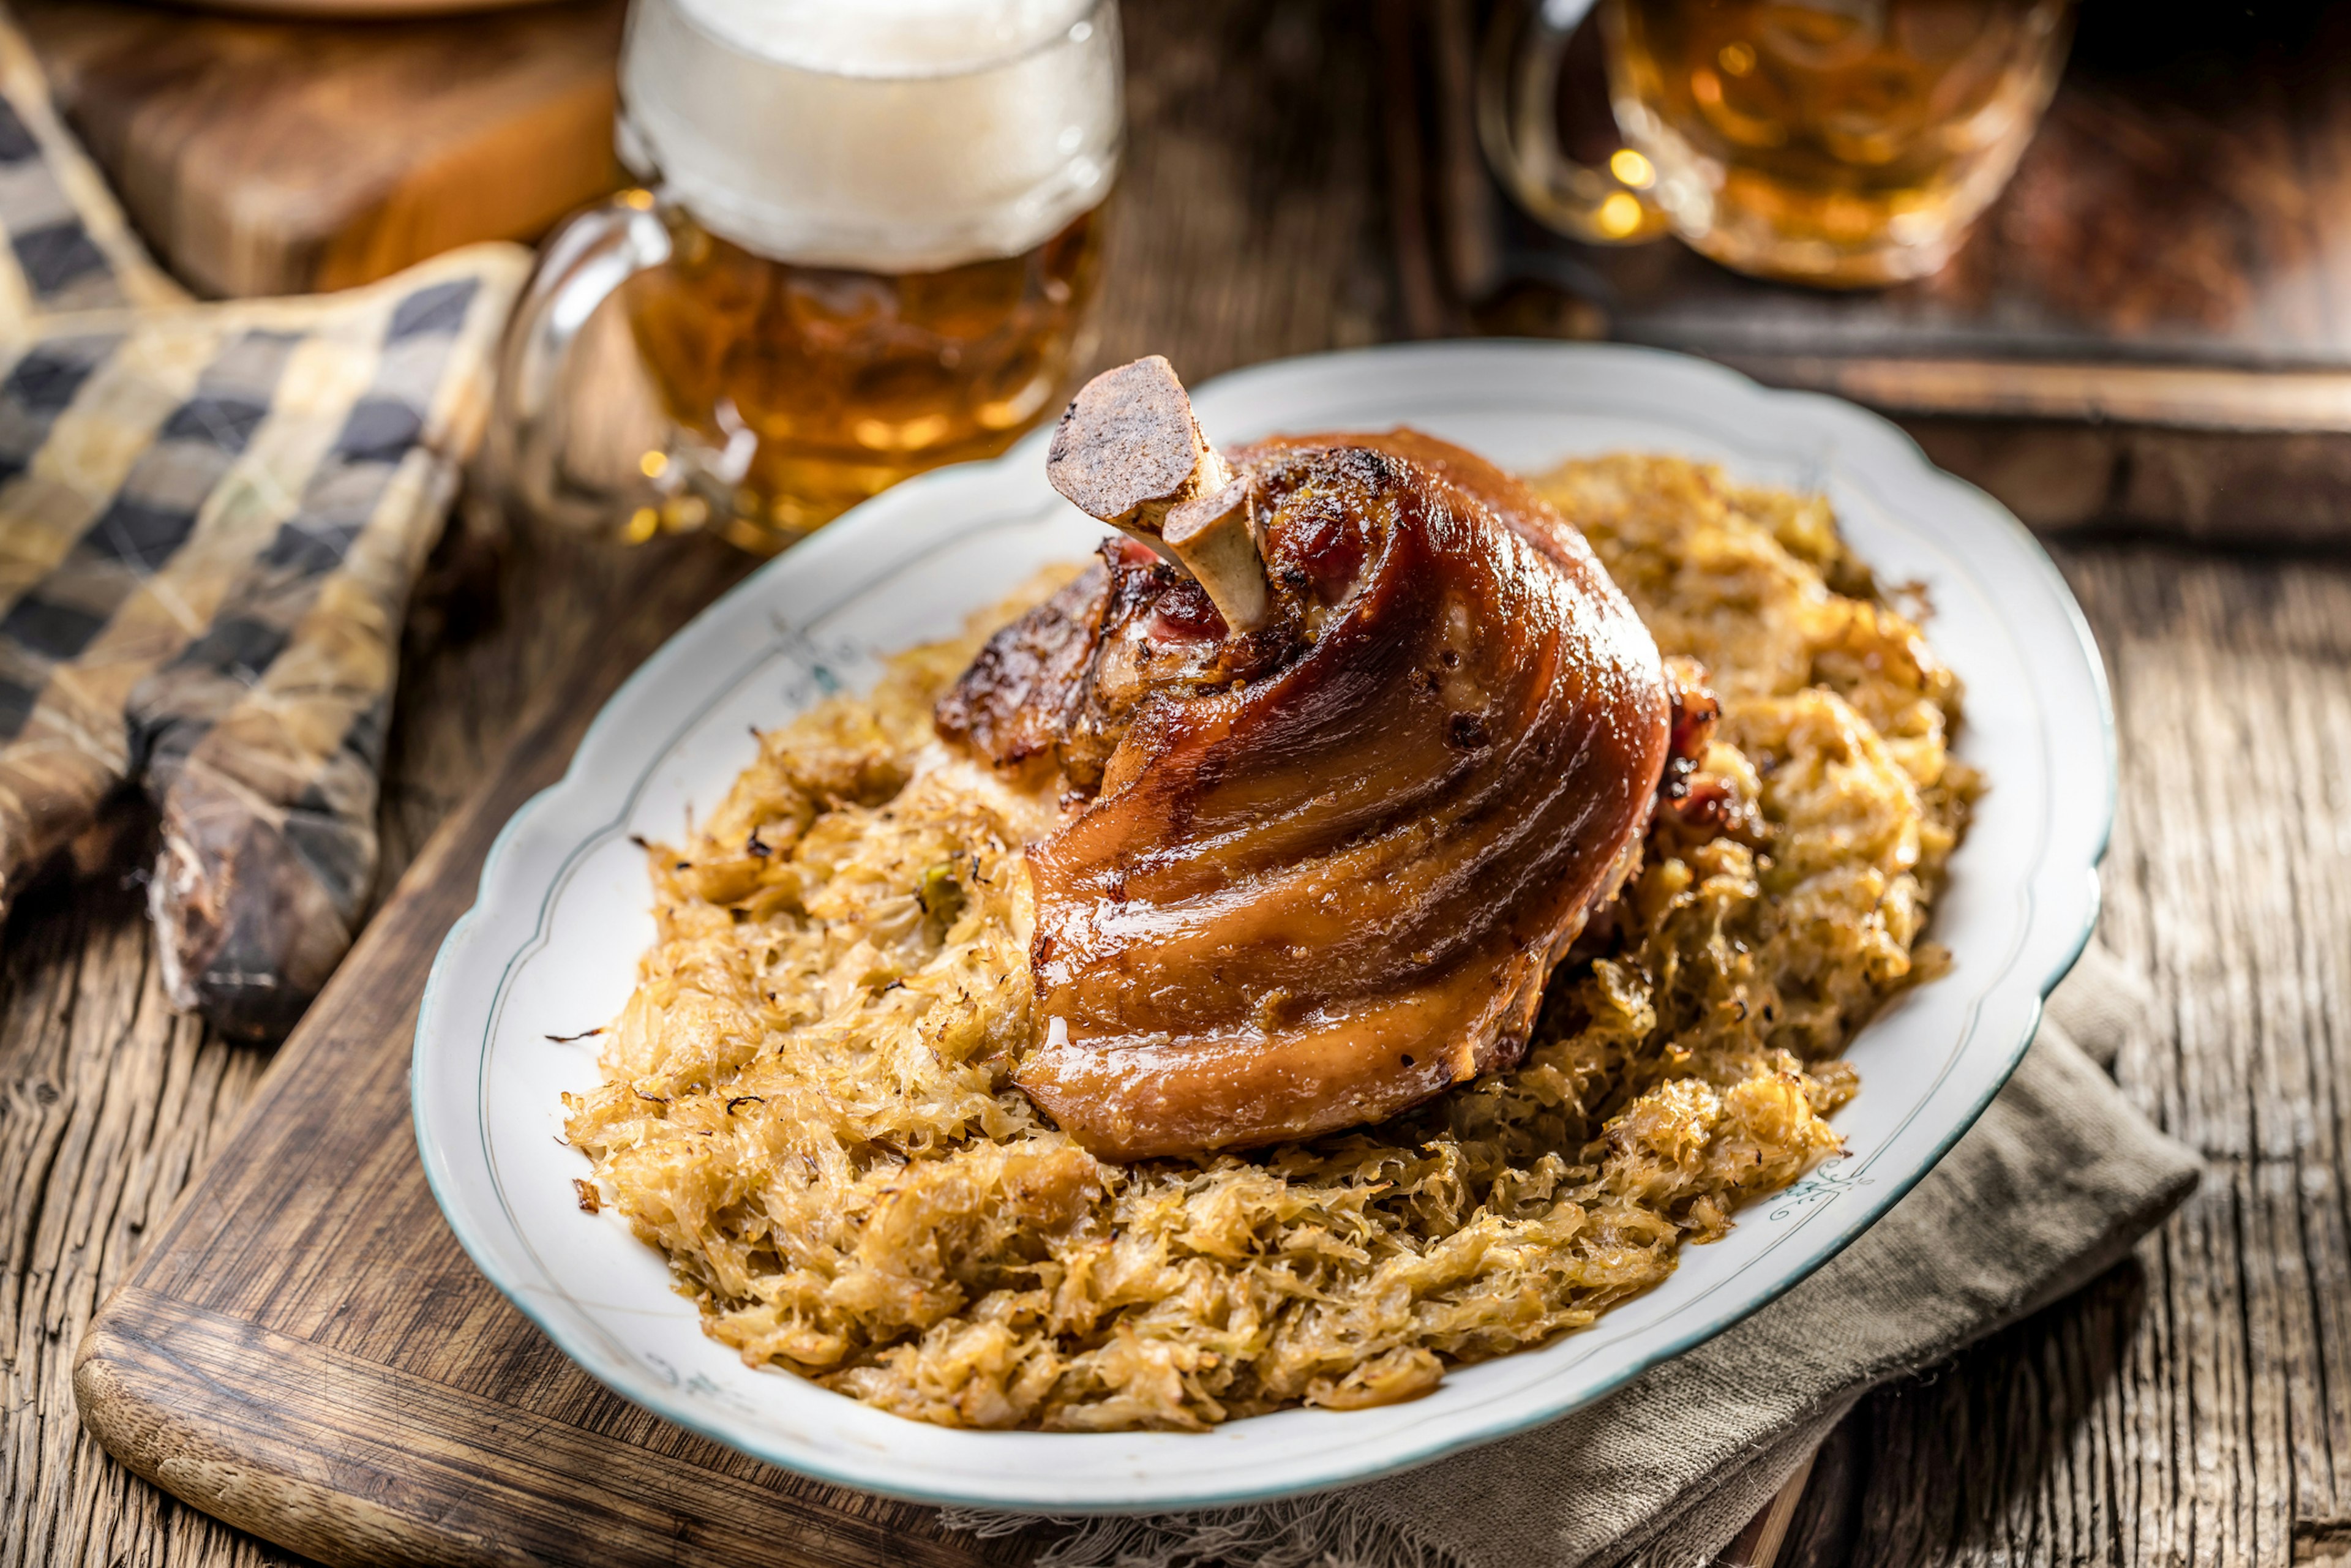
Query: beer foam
point(891, 135)
point(887, 37)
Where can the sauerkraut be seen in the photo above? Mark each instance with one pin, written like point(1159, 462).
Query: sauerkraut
point(806, 1103)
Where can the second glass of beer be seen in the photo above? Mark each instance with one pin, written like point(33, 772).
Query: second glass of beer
point(870, 244)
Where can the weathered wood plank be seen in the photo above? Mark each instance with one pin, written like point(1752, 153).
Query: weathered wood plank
point(112, 1101)
point(1247, 223)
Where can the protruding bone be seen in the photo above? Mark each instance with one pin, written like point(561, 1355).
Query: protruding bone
point(1212, 536)
point(1129, 452)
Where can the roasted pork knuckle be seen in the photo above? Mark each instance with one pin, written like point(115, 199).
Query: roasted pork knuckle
point(1317, 867)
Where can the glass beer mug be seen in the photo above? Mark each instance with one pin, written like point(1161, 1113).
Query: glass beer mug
point(870, 245)
point(1841, 142)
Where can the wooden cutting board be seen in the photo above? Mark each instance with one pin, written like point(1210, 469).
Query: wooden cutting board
point(306, 1352)
point(270, 156)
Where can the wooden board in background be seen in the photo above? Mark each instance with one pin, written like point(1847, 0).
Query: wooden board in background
point(281, 157)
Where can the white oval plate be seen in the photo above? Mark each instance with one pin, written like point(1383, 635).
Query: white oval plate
point(552, 945)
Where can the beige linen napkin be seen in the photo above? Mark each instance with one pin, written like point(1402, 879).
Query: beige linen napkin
point(2052, 1187)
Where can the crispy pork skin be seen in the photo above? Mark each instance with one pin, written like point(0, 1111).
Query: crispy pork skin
point(1316, 872)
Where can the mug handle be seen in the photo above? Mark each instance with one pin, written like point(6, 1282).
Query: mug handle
point(584, 263)
point(1517, 123)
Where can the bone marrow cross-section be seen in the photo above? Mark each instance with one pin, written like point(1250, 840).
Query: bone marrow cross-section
point(1315, 871)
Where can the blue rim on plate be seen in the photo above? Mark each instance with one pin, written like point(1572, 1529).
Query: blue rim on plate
point(1507, 399)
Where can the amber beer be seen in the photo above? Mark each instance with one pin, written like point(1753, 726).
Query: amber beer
point(1843, 142)
point(884, 235)
point(830, 384)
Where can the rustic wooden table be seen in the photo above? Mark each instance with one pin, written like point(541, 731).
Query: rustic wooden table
point(2193, 1406)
